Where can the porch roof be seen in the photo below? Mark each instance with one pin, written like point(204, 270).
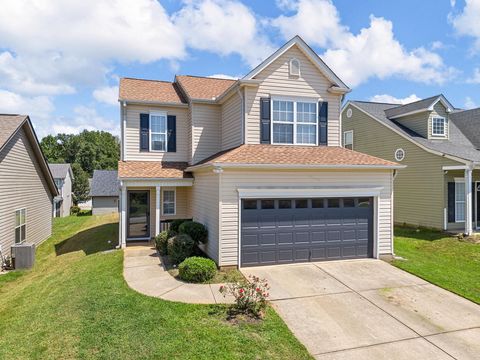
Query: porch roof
point(153, 170)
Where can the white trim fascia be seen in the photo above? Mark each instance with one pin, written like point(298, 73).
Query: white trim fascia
point(130, 182)
point(445, 103)
point(451, 157)
point(313, 57)
point(338, 90)
point(157, 103)
point(294, 192)
point(455, 167)
point(296, 166)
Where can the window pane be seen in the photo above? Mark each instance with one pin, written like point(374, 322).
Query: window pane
point(301, 204)
point(307, 112)
point(459, 191)
point(349, 202)
point(348, 138)
point(169, 196)
point(317, 203)
point(17, 218)
point(284, 204)
point(22, 232)
point(249, 204)
point(158, 142)
point(282, 111)
point(17, 235)
point(169, 208)
point(306, 134)
point(268, 204)
point(333, 203)
point(283, 133)
point(363, 202)
point(22, 216)
point(158, 123)
point(460, 212)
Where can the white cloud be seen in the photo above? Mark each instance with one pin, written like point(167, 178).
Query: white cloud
point(467, 21)
point(286, 4)
point(475, 79)
point(85, 118)
point(469, 103)
point(437, 45)
point(37, 106)
point(385, 98)
point(223, 27)
point(224, 76)
point(373, 52)
point(107, 95)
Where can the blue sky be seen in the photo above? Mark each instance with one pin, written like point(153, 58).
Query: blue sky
point(60, 61)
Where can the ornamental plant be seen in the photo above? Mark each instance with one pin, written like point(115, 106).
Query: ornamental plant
point(250, 296)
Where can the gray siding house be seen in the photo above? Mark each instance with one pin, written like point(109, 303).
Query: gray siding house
point(27, 187)
point(63, 176)
point(104, 190)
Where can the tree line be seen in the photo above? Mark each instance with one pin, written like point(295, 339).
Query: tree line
point(87, 151)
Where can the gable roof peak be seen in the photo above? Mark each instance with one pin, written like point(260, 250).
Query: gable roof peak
point(422, 105)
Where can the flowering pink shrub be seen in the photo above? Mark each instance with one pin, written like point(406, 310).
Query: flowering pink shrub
point(250, 297)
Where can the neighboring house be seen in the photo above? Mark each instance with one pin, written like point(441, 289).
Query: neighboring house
point(440, 187)
point(104, 191)
point(63, 175)
point(27, 187)
point(257, 160)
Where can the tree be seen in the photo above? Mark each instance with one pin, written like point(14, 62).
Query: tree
point(80, 184)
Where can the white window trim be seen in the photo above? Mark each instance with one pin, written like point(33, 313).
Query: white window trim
point(294, 122)
point(458, 181)
point(174, 201)
point(157, 113)
point(344, 138)
point(19, 226)
point(444, 126)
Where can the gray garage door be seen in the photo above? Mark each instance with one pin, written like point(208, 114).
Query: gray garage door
point(281, 231)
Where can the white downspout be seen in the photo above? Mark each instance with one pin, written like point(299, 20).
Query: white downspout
point(124, 127)
point(468, 201)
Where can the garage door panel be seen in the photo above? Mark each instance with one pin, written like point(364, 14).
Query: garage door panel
point(284, 234)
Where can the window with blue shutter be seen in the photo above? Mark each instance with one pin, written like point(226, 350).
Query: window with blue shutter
point(144, 132)
point(322, 123)
point(172, 133)
point(265, 120)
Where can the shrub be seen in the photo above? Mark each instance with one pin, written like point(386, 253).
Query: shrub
point(161, 242)
point(197, 269)
point(74, 210)
point(180, 247)
point(250, 297)
point(175, 224)
point(198, 232)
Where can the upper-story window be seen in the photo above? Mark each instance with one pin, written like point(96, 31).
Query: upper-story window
point(59, 183)
point(158, 131)
point(294, 122)
point(348, 139)
point(438, 126)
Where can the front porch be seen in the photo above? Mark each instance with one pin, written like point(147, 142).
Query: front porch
point(462, 199)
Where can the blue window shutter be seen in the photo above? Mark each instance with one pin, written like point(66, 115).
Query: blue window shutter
point(451, 202)
point(144, 132)
point(322, 123)
point(265, 120)
point(172, 133)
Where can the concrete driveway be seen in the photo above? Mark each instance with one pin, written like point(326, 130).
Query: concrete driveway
point(368, 309)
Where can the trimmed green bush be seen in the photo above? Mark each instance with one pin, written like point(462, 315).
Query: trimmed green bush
point(198, 232)
point(175, 224)
point(74, 210)
point(180, 247)
point(161, 242)
point(197, 269)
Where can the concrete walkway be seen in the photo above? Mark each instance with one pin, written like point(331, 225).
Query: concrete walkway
point(144, 272)
point(368, 309)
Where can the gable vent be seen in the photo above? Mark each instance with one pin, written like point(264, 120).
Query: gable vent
point(294, 67)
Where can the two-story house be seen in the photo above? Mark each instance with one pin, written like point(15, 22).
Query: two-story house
point(257, 160)
point(440, 186)
point(63, 175)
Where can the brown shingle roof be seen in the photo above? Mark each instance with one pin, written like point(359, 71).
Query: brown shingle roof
point(8, 126)
point(152, 169)
point(295, 155)
point(149, 90)
point(197, 87)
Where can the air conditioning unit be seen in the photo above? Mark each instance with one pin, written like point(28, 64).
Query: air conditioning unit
point(23, 255)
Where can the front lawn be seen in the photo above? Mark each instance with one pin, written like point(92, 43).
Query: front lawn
point(76, 304)
point(440, 259)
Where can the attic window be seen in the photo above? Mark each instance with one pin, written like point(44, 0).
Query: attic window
point(438, 126)
point(294, 67)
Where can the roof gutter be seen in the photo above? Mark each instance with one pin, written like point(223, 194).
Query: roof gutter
point(159, 103)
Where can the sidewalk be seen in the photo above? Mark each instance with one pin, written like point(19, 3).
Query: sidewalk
point(144, 272)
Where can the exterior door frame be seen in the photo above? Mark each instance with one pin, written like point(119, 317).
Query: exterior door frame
point(128, 216)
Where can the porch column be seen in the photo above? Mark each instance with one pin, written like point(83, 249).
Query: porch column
point(123, 217)
point(468, 202)
point(157, 210)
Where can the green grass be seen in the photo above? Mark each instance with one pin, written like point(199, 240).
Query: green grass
point(440, 259)
point(76, 304)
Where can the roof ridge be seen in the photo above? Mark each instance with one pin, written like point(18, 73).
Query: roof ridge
point(132, 78)
point(206, 77)
point(374, 102)
point(427, 98)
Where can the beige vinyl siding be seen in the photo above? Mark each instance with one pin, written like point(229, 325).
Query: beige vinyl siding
point(205, 130)
point(235, 179)
point(418, 189)
point(104, 205)
point(276, 81)
point(205, 208)
point(231, 122)
point(132, 135)
point(23, 185)
point(438, 111)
